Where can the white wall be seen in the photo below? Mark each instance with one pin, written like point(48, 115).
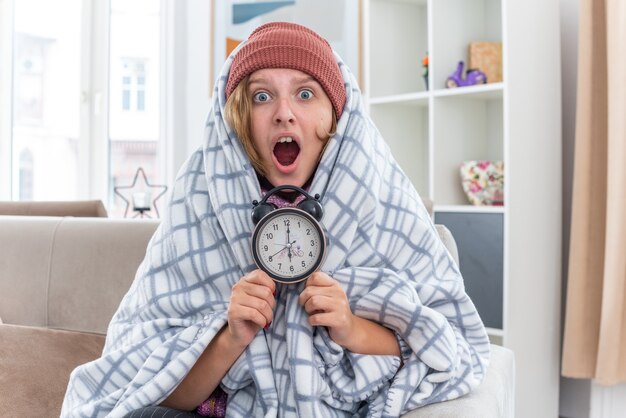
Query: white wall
point(198, 28)
point(188, 81)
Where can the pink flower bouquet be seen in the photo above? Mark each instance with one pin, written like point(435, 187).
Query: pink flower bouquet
point(483, 182)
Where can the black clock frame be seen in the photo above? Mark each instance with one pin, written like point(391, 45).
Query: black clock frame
point(268, 218)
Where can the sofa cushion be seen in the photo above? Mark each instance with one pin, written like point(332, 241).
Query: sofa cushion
point(35, 365)
point(26, 244)
point(93, 265)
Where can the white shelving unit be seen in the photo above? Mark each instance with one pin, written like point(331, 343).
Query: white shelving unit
point(431, 131)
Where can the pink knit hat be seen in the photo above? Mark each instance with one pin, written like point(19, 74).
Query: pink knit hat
point(288, 45)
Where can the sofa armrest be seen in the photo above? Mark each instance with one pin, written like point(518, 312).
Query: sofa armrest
point(494, 398)
point(448, 240)
point(35, 365)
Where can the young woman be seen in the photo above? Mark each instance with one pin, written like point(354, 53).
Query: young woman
point(382, 327)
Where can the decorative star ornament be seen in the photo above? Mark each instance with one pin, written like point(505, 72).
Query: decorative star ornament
point(138, 194)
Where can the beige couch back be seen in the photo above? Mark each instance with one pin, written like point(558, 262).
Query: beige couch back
point(68, 273)
point(78, 208)
point(72, 273)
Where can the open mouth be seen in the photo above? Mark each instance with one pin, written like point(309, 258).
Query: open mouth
point(286, 151)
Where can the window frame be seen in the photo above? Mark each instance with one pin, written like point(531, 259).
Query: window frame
point(6, 96)
point(93, 144)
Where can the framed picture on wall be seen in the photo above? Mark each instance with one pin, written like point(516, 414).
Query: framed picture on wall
point(339, 21)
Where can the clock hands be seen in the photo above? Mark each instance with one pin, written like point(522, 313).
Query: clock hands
point(285, 245)
point(289, 244)
point(294, 253)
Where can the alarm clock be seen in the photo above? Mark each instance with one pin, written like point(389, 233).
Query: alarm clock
point(288, 243)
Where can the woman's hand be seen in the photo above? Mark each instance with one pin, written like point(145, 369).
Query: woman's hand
point(327, 305)
point(251, 306)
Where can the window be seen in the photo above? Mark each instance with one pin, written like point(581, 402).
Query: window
point(46, 99)
point(80, 89)
point(126, 86)
point(26, 175)
point(133, 84)
point(134, 107)
point(141, 93)
point(30, 57)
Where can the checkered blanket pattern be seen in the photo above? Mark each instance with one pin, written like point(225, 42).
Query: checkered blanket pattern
point(383, 249)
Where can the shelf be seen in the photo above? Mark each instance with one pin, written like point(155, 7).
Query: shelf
point(454, 25)
point(483, 91)
point(422, 3)
point(399, 42)
point(408, 140)
point(465, 129)
point(432, 132)
point(419, 98)
point(418, 2)
point(469, 209)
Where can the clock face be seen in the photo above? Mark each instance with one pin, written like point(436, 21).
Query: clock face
point(288, 244)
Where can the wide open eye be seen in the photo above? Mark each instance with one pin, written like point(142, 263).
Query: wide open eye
point(261, 96)
point(305, 94)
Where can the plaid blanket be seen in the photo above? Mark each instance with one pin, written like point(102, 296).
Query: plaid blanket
point(383, 249)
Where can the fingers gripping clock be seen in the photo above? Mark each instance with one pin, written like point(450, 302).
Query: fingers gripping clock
point(288, 243)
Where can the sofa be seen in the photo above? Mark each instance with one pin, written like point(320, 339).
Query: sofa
point(61, 280)
point(78, 208)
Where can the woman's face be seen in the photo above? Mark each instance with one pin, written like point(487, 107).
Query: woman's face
point(290, 113)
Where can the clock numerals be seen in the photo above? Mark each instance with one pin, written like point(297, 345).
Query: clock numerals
point(288, 245)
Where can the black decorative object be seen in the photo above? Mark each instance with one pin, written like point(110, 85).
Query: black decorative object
point(141, 198)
